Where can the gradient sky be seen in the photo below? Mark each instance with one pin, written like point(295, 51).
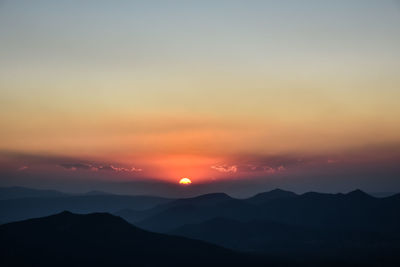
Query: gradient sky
point(277, 93)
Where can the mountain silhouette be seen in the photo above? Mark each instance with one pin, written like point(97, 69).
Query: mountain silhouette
point(354, 210)
point(295, 243)
point(25, 208)
point(164, 218)
point(15, 192)
point(280, 225)
point(359, 194)
point(100, 239)
point(271, 195)
point(97, 193)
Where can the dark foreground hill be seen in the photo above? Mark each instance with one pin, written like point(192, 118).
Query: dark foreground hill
point(299, 243)
point(100, 239)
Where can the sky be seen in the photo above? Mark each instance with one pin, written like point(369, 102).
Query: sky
point(239, 96)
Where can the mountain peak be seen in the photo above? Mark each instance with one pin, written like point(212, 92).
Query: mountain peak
point(214, 196)
point(279, 191)
point(358, 193)
point(101, 239)
point(270, 195)
point(65, 213)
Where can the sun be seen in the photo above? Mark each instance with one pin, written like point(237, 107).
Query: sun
point(185, 181)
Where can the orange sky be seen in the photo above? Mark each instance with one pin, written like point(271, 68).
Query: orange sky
point(199, 95)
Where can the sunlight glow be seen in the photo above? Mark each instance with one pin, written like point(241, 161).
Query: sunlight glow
point(185, 181)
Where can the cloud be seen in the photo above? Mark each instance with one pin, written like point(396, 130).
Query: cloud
point(68, 163)
point(119, 169)
point(268, 167)
point(97, 167)
point(262, 166)
point(76, 166)
point(225, 168)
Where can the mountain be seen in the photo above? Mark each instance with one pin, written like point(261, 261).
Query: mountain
point(341, 228)
point(359, 194)
point(131, 215)
point(382, 194)
point(97, 193)
point(295, 243)
point(271, 195)
point(164, 218)
point(353, 210)
point(207, 199)
point(25, 208)
point(24, 192)
point(100, 239)
point(250, 236)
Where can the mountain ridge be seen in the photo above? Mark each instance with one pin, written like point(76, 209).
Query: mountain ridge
point(101, 239)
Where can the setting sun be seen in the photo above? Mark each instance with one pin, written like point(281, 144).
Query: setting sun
point(185, 181)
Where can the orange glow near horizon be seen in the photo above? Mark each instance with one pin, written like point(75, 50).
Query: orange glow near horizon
point(168, 167)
